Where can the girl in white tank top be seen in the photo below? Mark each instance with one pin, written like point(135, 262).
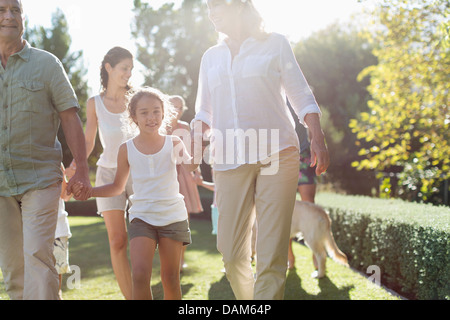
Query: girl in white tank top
point(151, 158)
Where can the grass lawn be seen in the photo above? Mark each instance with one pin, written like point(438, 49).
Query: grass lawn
point(203, 279)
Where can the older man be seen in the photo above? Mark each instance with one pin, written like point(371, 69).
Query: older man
point(36, 98)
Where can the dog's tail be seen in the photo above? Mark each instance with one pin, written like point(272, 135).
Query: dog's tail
point(334, 252)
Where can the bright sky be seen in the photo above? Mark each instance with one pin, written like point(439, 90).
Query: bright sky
point(98, 25)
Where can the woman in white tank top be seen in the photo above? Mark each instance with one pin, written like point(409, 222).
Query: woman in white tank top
point(108, 114)
point(157, 207)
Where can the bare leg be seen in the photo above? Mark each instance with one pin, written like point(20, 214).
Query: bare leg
point(118, 242)
point(170, 254)
point(182, 263)
point(142, 251)
point(307, 192)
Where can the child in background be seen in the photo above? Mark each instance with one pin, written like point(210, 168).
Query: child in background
point(158, 215)
point(62, 234)
point(188, 187)
point(214, 211)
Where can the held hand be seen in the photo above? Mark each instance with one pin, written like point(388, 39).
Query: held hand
point(80, 186)
point(198, 179)
point(82, 193)
point(198, 142)
point(77, 189)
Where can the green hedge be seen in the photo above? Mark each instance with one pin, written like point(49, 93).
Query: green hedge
point(410, 242)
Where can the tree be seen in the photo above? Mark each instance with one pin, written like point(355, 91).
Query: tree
point(408, 121)
point(171, 43)
point(57, 40)
point(331, 60)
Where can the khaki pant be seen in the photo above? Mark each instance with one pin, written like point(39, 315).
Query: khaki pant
point(273, 195)
point(27, 233)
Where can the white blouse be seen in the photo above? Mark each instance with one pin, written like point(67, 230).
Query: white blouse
point(114, 129)
point(243, 100)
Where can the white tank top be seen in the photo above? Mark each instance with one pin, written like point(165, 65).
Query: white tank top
point(156, 199)
point(114, 129)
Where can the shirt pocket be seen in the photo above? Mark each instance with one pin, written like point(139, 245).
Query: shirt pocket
point(32, 96)
point(214, 78)
point(256, 66)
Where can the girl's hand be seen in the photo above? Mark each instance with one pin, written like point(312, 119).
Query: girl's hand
point(78, 193)
point(198, 178)
point(70, 171)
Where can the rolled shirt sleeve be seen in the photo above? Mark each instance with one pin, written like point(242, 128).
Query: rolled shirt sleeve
point(203, 108)
point(63, 96)
point(294, 82)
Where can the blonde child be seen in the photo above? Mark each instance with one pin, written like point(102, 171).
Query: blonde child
point(158, 215)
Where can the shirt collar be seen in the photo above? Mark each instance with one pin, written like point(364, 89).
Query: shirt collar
point(223, 42)
point(25, 53)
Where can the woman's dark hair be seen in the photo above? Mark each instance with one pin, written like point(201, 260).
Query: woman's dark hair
point(113, 57)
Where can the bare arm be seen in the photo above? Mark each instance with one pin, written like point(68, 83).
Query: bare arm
point(120, 181)
point(183, 157)
point(319, 150)
point(91, 126)
point(90, 132)
point(190, 166)
point(73, 131)
point(202, 183)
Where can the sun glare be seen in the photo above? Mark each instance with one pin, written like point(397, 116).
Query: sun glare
point(95, 31)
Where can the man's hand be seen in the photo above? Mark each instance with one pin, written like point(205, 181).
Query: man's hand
point(80, 186)
point(81, 192)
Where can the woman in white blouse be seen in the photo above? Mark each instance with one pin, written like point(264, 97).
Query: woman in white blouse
point(241, 102)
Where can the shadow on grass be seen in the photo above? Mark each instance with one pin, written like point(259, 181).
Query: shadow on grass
point(158, 291)
point(328, 290)
point(221, 290)
point(89, 248)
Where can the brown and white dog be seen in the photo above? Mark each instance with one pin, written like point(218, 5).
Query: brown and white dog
point(312, 223)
